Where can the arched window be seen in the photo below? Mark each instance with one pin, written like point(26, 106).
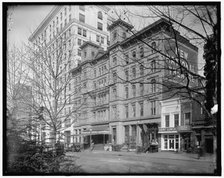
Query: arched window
point(124, 35)
point(100, 15)
point(153, 82)
point(153, 47)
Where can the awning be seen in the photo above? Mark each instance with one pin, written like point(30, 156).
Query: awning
point(97, 130)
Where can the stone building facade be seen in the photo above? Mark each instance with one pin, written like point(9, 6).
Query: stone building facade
point(119, 90)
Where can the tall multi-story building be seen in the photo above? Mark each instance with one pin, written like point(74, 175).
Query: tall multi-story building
point(119, 90)
point(60, 35)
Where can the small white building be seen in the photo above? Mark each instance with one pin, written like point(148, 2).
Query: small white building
point(170, 120)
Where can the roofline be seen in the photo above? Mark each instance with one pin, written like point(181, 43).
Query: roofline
point(43, 23)
point(134, 36)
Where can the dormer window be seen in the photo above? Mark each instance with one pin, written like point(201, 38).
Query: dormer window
point(114, 35)
point(85, 54)
point(124, 35)
point(93, 53)
point(100, 15)
point(153, 47)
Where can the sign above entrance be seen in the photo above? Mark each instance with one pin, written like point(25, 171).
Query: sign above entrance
point(167, 129)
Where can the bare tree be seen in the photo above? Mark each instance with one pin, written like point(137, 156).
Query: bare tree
point(18, 90)
point(198, 25)
point(52, 83)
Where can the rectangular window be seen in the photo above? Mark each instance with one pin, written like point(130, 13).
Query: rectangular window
point(114, 92)
point(126, 75)
point(141, 109)
point(79, 52)
point(79, 31)
point(141, 89)
point(82, 8)
point(153, 107)
point(114, 61)
point(126, 91)
point(84, 33)
point(99, 26)
point(114, 76)
point(165, 142)
point(126, 111)
point(176, 120)
point(70, 17)
point(79, 42)
point(167, 121)
point(82, 18)
point(97, 38)
point(133, 72)
point(141, 52)
point(126, 57)
point(126, 133)
point(134, 109)
point(102, 40)
point(134, 90)
point(141, 70)
point(187, 117)
point(153, 66)
point(134, 54)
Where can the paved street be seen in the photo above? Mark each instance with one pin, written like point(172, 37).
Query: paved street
point(100, 162)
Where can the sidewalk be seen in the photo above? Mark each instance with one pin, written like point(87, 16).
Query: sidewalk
point(160, 155)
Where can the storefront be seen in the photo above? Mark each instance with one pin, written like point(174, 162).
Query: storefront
point(170, 139)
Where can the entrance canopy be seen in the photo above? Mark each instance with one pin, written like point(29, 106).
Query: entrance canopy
point(97, 130)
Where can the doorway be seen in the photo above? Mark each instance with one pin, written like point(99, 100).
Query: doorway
point(209, 145)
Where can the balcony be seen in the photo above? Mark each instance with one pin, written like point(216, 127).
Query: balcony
point(184, 128)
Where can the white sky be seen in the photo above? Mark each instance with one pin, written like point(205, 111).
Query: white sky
point(24, 20)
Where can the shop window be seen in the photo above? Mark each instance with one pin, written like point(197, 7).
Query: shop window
point(165, 142)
